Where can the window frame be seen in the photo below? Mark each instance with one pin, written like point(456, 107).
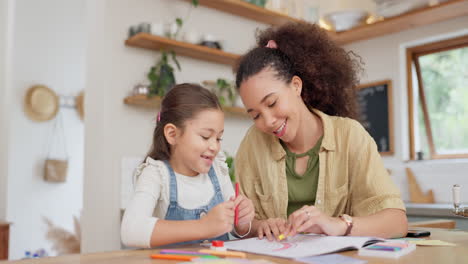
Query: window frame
point(412, 56)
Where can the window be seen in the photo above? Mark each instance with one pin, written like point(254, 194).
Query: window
point(438, 99)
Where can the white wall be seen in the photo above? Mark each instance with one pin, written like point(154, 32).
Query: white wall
point(384, 58)
point(327, 6)
point(48, 48)
point(6, 15)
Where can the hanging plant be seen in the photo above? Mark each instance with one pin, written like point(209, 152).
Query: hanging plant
point(180, 22)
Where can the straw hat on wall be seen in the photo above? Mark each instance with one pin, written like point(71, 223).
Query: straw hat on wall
point(79, 105)
point(41, 103)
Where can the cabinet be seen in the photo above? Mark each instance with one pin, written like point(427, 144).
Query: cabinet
point(4, 239)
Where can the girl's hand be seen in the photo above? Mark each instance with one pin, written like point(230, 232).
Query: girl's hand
point(246, 213)
point(312, 220)
point(272, 228)
point(219, 219)
point(246, 209)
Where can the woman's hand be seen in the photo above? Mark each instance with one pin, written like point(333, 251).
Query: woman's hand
point(311, 220)
point(219, 219)
point(272, 228)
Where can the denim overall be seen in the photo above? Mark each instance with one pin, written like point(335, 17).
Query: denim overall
point(176, 212)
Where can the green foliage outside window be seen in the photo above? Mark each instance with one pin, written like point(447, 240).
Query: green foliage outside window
point(445, 79)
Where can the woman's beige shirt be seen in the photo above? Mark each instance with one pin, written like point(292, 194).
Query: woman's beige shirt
point(352, 177)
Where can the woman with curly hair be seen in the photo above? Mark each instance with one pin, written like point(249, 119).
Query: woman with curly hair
point(306, 164)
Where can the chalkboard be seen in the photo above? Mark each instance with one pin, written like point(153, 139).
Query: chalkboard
point(375, 105)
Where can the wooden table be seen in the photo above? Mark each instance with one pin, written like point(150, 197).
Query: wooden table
point(426, 255)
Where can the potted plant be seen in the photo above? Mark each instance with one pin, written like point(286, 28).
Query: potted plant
point(180, 22)
point(224, 90)
point(161, 75)
point(230, 164)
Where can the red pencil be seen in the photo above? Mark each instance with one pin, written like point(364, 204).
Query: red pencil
point(236, 210)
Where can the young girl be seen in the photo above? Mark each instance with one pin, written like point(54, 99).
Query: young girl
point(183, 191)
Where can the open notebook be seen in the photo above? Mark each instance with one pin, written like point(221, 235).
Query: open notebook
point(301, 245)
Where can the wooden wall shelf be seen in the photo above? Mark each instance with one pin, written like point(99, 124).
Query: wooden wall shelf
point(155, 102)
point(143, 101)
point(247, 10)
point(148, 41)
point(420, 17)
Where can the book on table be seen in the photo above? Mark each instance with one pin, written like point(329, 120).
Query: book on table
point(301, 245)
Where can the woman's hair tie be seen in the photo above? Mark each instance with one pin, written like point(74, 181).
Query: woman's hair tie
point(272, 44)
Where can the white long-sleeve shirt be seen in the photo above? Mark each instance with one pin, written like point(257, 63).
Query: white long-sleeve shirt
point(151, 197)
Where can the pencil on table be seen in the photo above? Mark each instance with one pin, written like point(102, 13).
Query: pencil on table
point(232, 254)
point(173, 257)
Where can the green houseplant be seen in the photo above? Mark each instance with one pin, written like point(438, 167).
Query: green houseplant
point(161, 75)
point(230, 164)
point(225, 92)
point(180, 22)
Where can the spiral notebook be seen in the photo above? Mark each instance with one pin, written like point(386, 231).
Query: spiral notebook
point(302, 245)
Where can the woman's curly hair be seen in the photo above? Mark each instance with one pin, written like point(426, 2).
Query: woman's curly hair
point(328, 72)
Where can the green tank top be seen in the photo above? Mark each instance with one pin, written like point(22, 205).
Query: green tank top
point(302, 189)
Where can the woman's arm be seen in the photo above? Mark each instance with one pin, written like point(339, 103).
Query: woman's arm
point(387, 223)
point(375, 200)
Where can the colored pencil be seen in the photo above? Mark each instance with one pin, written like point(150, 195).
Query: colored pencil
point(173, 257)
point(233, 254)
point(181, 252)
